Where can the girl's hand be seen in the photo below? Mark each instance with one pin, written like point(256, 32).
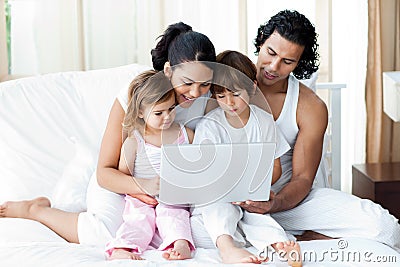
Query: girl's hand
point(149, 200)
point(149, 186)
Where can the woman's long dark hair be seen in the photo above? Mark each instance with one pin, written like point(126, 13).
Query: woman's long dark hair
point(179, 44)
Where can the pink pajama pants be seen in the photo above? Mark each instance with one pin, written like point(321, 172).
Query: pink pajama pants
point(139, 225)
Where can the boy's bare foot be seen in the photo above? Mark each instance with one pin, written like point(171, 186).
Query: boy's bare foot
point(123, 254)
point(181, 251)
point(232, 254)
point(290, 250)
point(22, 209)
point(239, 255)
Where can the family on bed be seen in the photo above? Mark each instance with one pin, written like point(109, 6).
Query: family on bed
point(122, 213)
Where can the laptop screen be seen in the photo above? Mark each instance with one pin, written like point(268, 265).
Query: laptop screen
point(202, 174)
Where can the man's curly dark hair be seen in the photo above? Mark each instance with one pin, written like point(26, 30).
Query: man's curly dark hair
point(295, 28)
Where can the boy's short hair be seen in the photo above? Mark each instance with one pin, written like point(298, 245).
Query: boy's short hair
point(234, 72)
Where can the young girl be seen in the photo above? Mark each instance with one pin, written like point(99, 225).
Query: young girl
point(149, 122)
point(237, 121)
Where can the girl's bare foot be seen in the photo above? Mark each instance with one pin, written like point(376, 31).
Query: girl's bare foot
point(290, 250)
point(123, 254)
point(181, 251)
point(22, 209)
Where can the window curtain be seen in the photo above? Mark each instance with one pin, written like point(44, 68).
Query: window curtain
point(383, 135)
point(64, 35)
point(3, 45)
point(43, 33)
point(348, 64)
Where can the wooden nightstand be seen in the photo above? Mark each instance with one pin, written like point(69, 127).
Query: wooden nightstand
point(379, 182)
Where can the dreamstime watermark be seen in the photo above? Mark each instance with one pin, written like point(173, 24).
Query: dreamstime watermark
point(341, 253)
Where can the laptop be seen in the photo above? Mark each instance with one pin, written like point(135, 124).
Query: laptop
point(201, 174)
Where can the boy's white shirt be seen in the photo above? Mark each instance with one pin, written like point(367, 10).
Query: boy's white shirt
point(214, 128)
point(260, 230)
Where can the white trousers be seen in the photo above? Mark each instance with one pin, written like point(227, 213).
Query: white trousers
point(329, 212)
point(223, 218)
point(103, 217)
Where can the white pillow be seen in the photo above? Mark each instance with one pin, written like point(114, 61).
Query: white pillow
point(70, 191)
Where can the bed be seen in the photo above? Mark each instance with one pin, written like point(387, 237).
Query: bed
point(50, 131)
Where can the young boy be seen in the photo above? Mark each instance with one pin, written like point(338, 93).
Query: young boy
point(237, 121)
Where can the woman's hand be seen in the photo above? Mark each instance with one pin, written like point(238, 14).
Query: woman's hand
point(261, 207)
point(149, 200)
point(149, 186)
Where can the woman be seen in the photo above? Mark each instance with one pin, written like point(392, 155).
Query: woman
point(179, 44)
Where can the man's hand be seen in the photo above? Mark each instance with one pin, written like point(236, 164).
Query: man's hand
point(261, 207)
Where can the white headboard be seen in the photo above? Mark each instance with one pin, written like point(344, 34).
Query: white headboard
point(331, 93)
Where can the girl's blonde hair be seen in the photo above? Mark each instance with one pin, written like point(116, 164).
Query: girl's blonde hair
point(148, 88)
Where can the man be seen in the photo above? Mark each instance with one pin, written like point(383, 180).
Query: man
point(287, 45)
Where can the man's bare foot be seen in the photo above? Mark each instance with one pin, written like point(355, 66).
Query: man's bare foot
point(181, 251)
point(22, 209)
point(311, 235)
point(289, 250)
point(123, 254)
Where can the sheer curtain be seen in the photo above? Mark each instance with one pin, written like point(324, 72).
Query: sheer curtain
point(383, 135)
point(62, 35)
point(43, 33)
point(3, 44)
point(348, 64)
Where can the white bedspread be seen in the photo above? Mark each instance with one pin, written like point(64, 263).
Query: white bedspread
point(18, 249)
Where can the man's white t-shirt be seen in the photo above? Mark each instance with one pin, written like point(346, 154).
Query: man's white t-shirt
point(214, 128)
